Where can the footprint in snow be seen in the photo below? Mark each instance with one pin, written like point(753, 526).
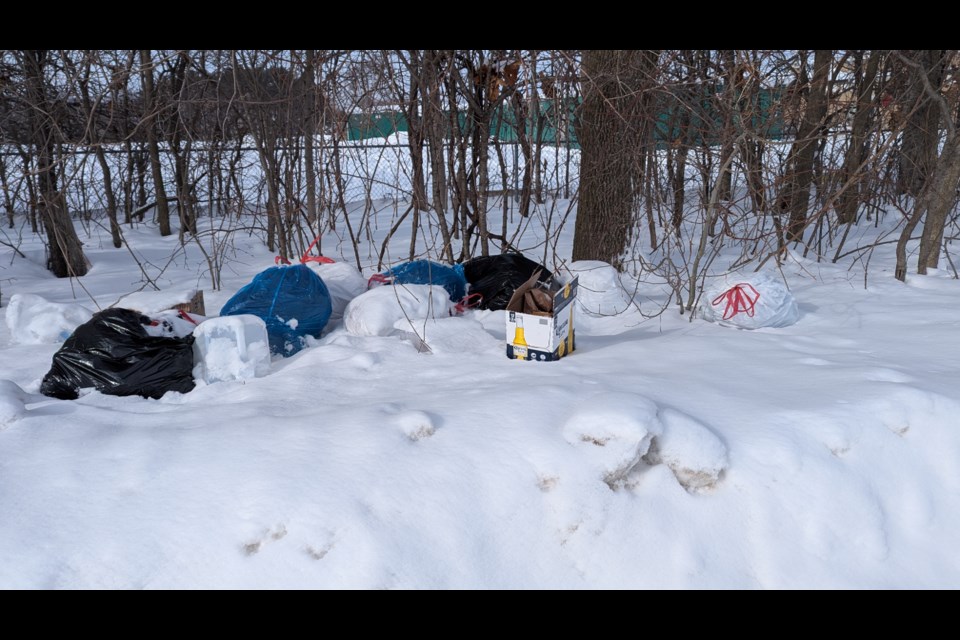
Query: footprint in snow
point(622, 433)
point(614, 432)
point(270, 535)
point(547, 483)
point(695, 454)
point(319, 550)
point(416, 425)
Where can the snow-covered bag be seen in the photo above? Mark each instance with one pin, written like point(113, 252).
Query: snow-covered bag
point(344, 283)
point(34, 320)
point(377, 311)
point(749, 301)
point(231, 348)
point(600, 292)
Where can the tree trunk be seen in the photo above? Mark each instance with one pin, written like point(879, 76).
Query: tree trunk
point(186, 212)
point(921, 136)
point(849, 199)
point(95, 139)
point(311, 131)
point(66, 250)
point(611, 128)
point(415, 143)
point(938, 196)
point(150, 115)
point(7, 198)
point(433, 120)
point(728, 132)
point(941, 196)
point(795, 197)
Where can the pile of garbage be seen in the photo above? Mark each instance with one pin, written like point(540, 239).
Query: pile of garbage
point(125, 351)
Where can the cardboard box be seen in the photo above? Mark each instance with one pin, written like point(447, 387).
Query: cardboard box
point(543, 336)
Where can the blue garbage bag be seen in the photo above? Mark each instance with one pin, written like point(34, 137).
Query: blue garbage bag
point(427, 272)
point(293, 301)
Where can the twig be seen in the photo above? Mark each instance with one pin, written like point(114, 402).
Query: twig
point(950, 260)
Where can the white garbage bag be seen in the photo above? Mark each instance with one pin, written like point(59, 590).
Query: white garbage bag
point(749, 301)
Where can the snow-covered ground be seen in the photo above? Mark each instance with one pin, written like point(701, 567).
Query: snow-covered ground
point(662, 453)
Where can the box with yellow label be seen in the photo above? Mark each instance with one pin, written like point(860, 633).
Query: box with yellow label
point(544, 337)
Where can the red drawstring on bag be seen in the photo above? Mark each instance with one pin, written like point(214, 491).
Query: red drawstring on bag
point(306, 257)
point(379, 278)
point(468, 302)
point(738, 300)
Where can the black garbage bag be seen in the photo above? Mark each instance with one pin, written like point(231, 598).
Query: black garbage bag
point(114, 353)
point(495, 278)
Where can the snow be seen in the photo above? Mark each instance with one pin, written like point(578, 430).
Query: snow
point(34, 320)
point(12, 399)
point(404, 450)
point(151, 303)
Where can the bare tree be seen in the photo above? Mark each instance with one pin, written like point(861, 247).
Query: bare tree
point(794, 197)
point(853, 173)
point(611, 133)
point(153, 146)
point(918, 153)
point(938, 195)
point(66, 251)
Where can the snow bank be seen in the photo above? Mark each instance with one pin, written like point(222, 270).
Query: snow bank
point(772, 303)
point(378, 311)
point(34, 320)
point(456, 335)
point(12, 399)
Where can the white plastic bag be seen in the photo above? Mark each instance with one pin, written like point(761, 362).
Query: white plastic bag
point(344, 283)
point(377, 311)
point(749, 301)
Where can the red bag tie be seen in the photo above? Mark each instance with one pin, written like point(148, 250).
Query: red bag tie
point(306, 257)
point(379, 278)
point(738, 300)
point(468, 302)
